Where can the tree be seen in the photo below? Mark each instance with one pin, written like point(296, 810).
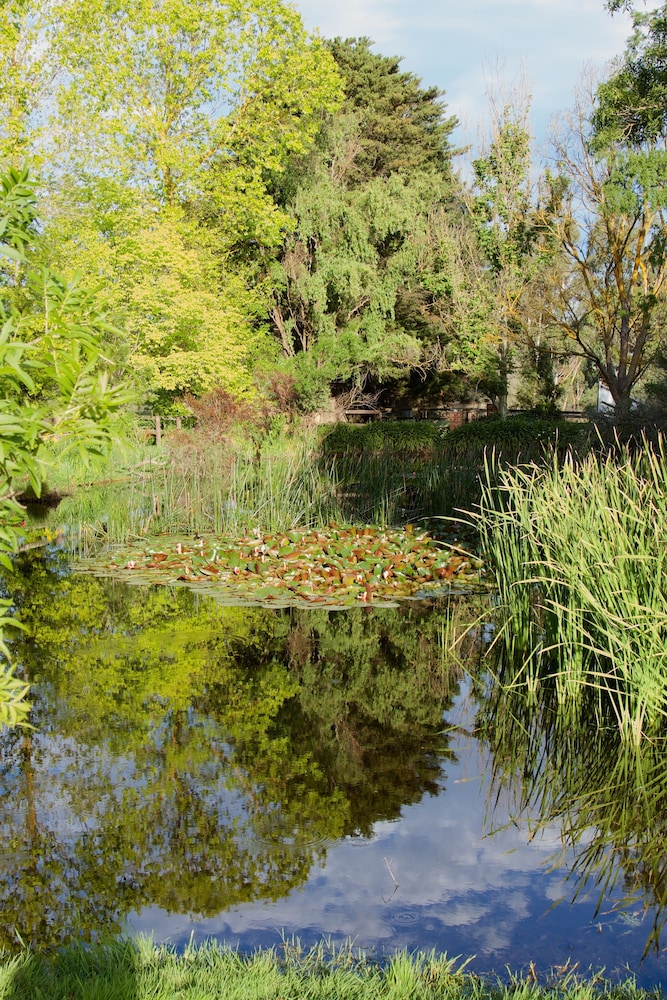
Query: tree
point(349, 302)
point(172, 119)
point(160, 92)
point(400, 125)
point(502, 248)
point(609, 205)
point(631, 106)
point(25, 72)
point(55, 392)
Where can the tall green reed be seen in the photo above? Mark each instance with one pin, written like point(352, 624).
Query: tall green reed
point(578, 550)
point(216, 489)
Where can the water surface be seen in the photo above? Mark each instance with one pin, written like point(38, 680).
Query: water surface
point(253, 774)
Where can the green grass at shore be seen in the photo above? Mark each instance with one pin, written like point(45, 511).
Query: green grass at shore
point(138, 970)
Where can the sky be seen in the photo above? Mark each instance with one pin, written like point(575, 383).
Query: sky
point(460, 46)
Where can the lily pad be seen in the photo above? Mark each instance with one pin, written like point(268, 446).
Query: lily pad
point(337, 567)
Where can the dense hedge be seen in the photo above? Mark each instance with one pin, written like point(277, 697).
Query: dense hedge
point(519, 435)
point(516, 436)
point(383, 435)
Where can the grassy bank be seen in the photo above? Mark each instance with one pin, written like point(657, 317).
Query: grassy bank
point(139, 971)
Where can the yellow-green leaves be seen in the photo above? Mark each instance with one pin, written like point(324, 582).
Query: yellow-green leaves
point(161, 91)
point(49, 343)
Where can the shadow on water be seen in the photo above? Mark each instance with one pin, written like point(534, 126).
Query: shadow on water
point(194, 761)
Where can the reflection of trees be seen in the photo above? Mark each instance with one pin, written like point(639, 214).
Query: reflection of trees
point(609, 798)
point(196, 757)
point(373, 687)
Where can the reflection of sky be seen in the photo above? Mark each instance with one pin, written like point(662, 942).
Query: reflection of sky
point(459, 891)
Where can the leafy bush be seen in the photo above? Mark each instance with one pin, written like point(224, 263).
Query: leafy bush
point(389, 435)
point(514, 439)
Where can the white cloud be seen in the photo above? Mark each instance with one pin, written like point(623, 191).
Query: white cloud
point(452, 45)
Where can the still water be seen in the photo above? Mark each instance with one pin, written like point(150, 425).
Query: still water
point(251, 774)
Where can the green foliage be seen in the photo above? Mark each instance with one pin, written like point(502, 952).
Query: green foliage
point(400, 124)
point(608, 215)
point(24, 75)
point(353, 293)
point(506, 254)
point(516, 439)
point(50, 340)
point(631, 103)
point(221, 82)
point(167, 200)
point(142, 970)
point(398, 436)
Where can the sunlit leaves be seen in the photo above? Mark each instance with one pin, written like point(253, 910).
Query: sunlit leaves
point(162, 90)
point(50, 338)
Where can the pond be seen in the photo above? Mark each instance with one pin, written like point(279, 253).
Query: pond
point(251, 775)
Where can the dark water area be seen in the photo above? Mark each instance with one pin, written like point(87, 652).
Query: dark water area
point(252, 775)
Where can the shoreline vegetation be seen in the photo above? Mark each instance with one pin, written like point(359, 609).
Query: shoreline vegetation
point(568, 521)
point(137, 969)
point(230, 481)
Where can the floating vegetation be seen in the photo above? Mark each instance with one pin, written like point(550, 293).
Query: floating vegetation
point(340, 566)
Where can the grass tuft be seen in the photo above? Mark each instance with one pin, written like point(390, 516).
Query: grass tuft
point(138, 970)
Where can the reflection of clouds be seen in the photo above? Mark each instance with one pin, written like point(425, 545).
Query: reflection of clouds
point(458, 890)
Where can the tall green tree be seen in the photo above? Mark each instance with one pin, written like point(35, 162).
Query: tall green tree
point(171, 120)
point(507, 244)
point(400, 124)
point(349, 302)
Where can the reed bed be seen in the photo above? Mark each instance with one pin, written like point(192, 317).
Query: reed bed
point(235, 481)
point(217, 489)
point(578, 550)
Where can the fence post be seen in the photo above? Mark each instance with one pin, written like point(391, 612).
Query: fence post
point(158, 431)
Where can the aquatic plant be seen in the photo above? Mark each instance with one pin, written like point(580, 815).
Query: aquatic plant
point(578, 551)
point(336, 566)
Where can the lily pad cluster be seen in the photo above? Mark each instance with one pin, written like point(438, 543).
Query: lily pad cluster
point(337, 566)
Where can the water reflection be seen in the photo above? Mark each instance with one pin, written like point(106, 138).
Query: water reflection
point(559, 767)
point(195, 758)
point(238, 772)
